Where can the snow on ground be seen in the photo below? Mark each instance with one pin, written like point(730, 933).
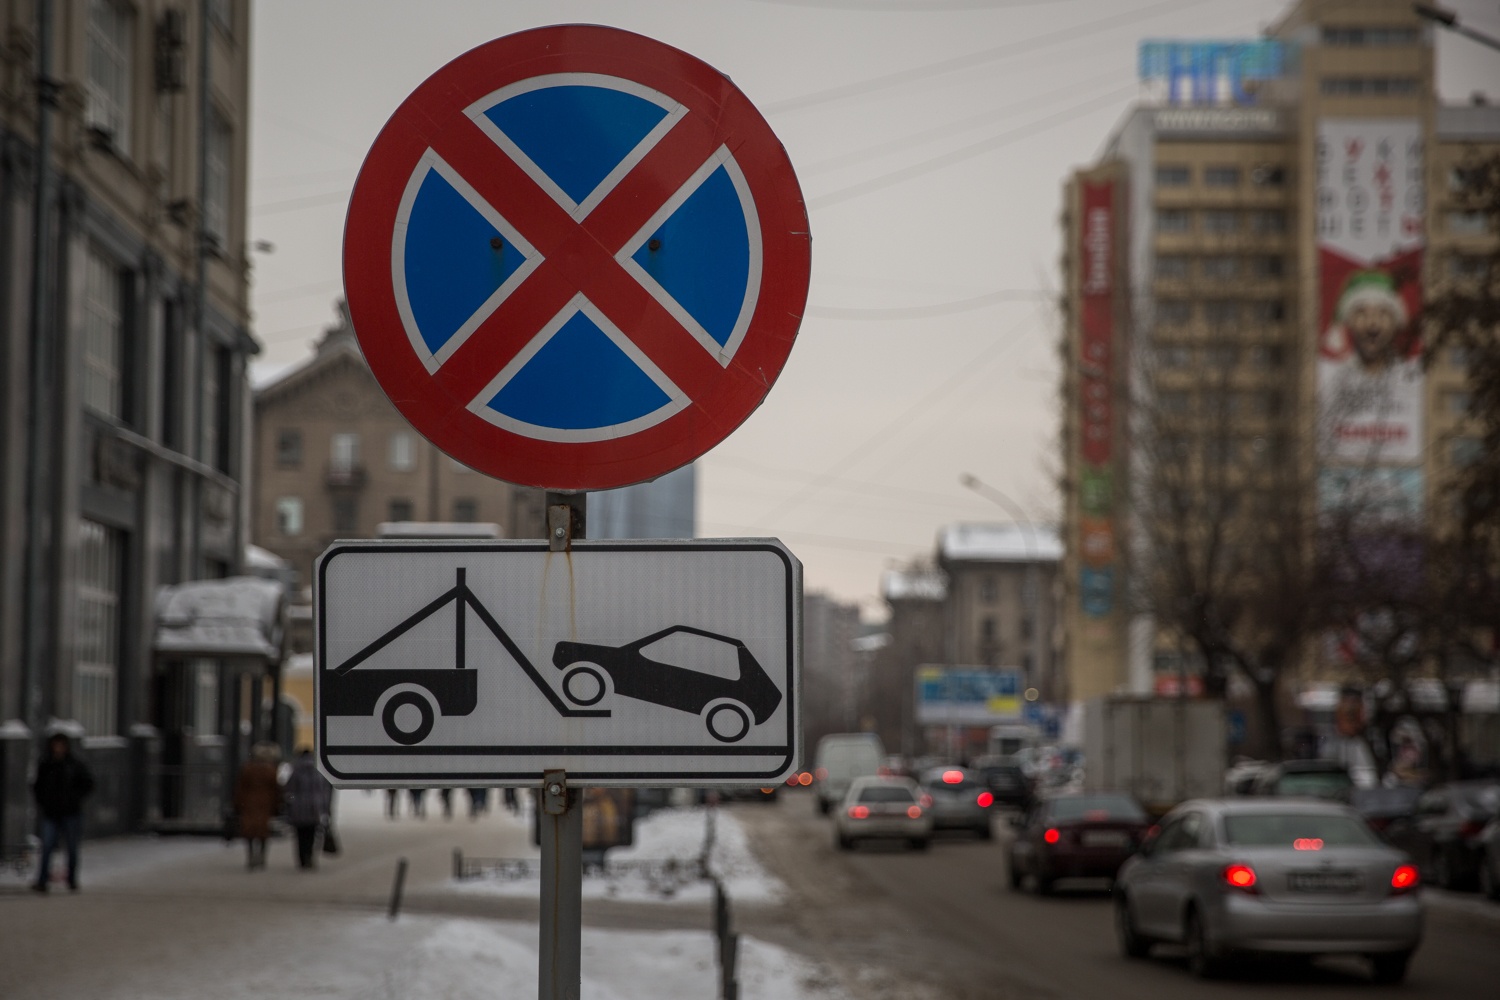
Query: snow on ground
point(675, 836)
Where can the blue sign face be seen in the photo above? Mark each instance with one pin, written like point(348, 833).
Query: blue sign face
point(1210, 72)
point(1097, 591)
point(967, 695)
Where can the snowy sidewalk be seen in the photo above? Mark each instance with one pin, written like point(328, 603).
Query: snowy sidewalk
point(177, 917)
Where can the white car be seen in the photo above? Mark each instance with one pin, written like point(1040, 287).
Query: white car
point(879, 807)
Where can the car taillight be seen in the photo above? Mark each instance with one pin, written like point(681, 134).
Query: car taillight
point(1240, 877)
point(805, 778)
point(915, 812)
point(1470, 828)
point(822, 774)
point(1404, 879)
point(1308, 844)
point(926, 801)
point(953, 777)
point(1052, 836)
point(859, 812)
point(985, 800)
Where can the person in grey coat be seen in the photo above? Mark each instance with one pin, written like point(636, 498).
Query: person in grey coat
point(309, 797)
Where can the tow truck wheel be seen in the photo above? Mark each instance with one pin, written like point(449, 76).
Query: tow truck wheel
point(398, 725)
point(727, 722)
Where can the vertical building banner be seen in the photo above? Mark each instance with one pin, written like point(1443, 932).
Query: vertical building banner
point(1096, 391)
point(1370, 204)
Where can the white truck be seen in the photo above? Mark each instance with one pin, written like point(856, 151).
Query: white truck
point(1160, 750)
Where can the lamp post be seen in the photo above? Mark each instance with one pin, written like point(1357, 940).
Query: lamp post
point(974, 483)
point(1449, 20)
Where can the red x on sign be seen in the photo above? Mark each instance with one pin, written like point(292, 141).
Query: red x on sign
point(576, 258)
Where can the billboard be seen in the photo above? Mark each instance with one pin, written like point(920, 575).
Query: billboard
point(1208, 72)
point(1097, 281)
point(967, 696)
point(1370, 242)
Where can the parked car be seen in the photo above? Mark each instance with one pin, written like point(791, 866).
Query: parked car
point(1381, 807)
point(883, 807)
point(1319, 779)
point(840, 758)
point(1005, 779)
point(957, 800)
point(1082, 835)
point(1443, 831)
point(1241, 876)
point(1489, 860)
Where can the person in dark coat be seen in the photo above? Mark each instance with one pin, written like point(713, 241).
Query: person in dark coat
point(309, 798)
point(257, 798)
point(62, 783)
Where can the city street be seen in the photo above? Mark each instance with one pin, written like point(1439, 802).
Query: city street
point(166, 918)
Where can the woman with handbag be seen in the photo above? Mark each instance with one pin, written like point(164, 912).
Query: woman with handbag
point(257, 798)
point(309, 798)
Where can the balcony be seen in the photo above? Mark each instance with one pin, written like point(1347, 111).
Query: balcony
point(345, 476)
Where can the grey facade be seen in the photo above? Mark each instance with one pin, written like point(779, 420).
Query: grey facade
point(125, 315)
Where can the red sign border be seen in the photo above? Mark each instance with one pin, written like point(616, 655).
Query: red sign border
point(713, 101)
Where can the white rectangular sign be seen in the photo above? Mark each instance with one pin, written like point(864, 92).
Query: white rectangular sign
point(622, 662)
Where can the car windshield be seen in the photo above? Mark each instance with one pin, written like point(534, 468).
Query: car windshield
point(1325, 784)
point(1286, 829)
point(887, 793)
point(1096, 807)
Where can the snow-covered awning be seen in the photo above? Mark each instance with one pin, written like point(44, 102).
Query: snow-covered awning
point(237, 617)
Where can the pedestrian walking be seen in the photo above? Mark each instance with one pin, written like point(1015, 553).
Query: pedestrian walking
point(257, 798)
point(445, 795)
point(392, 803)
point(511, 802)
point(418, 802)
point(62, 783)
point(309, 797)
point(479, 802)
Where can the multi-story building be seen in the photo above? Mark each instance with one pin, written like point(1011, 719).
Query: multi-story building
point(126, 330)
point(1244, 268)
point(333, 458)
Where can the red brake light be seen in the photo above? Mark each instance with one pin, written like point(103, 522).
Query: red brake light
point(1240, 877)
point(822, 773)
point(953, 777)
point(926, 801)
point(1308, 843)
point(859, 812)
point(915, 812)
point(1404, 878)
point(1052, 836)
point(805, 778)
point(985, 800)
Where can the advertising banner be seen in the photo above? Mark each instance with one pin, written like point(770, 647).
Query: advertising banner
point(967, 696)
point(1096, 391)
point(1370, 242)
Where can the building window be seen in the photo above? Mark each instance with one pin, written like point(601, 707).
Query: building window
point(343, 453)
point(1268, 311)
point(1357, 37)
point(1220, 312)
point(1465, 451)
point(1268, 175)
point(989, 590)
point(1221, 221)
point(97, 635)
point(1456, 403)
point(1219, 267)
point(1173, 176)
point(289, 516)
point(205, 697)
point(1268, 221)
point(110, 70)
point(1175, 356)
point(400, 510)
point(1468, 223)
point(1268, 266)
point(345, 515)
point(1174, 220)
point(1458, 358)
point(465, 510)
point(1221, 356)
point(403, 451)
point(1369, 86)
point(987, 629)
point(1173, 312)
point(103, 334)
point(1464, 180)
point(1174, 401)
point(215, 415)
point(1221, 176)
point(219, 154)
point(1172, 266)
point(1467, 267)
point(221, 15)
point(1266, 357)
point(288, 448)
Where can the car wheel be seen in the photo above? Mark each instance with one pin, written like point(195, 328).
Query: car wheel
point(1132, 945)
point(985, 832)
point(824, 806)
point(1442, 870)
point(920, 843)
point(584, 686)
point(1389, 966)
point(1041, 882)
point(846, 843)
point(398, 726)
point(1489, 882)
point(727, 722)
point(1014, 872)
point(1203, 959)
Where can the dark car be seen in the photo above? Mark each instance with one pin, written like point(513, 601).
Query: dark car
point(1489, 859)
point(957, 801)
point(1084, 835)
point(1381, 807)
point(1443, 832)
point(1318, 779)
point(680, 667)
point(1005, 778)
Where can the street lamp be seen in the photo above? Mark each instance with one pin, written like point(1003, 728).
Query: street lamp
point(1448, 19)
point(971, 482)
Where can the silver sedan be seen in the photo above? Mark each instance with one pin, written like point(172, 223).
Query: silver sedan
point(1227, 877)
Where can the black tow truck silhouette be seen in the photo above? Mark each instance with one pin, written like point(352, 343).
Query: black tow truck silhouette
point(727, 705)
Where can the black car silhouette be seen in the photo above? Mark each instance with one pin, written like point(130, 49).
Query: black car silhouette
point(450, 691)
point(728, 704)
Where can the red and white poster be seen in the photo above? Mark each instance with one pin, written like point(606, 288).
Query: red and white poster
point(1370, 242)
point(1098, 249)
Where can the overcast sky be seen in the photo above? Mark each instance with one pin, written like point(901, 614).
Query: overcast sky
point(931, 139)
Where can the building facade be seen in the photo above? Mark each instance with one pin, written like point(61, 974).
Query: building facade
point(333, 458)
point(1244, 271)
point(125, 315)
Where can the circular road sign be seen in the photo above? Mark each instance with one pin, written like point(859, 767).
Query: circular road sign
point(576, 258)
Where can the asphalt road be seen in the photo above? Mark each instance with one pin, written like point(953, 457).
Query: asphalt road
point(944, 925)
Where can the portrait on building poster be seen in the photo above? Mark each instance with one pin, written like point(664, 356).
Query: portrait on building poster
point(1370, 240)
